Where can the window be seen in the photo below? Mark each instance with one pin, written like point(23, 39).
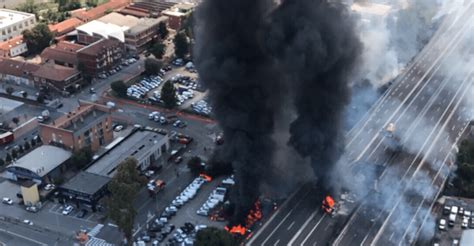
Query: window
point(163, 148)
point(32, 21)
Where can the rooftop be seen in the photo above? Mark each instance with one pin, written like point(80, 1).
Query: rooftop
point(17, 68)
point(180, 9)
point(100, 10)
point(136, 145)
point(9, 17)
point(61, 73)
point(144, 24)
point(43, 159)
point(104, 30)
point(62, 52)
point(121, 20)
point(65, 26)
point(87, 183)
point(7, 45)
point(371, 8)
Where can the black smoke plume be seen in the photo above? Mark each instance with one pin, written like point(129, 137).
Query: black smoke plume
point(232, 63)
point(317, 48)
point(246, 53)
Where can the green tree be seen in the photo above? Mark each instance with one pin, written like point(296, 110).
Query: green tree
point(152, 66)
point(21, 150)
point(158, 50)
point(40, 98)
point(123, 188)
point(80, 158)
point(181, 45)
point(33, 142)
point(9, 90)
point(188, 26)
point(2, 162)
point(464, 182)
point(16, 120)
point(38, 38)
point(195, 165)
point(119, 88)
point(212, 236)
point(8, 158)
point(26, 145)
point(168, 94)
point(163, 30)
point(29, 6)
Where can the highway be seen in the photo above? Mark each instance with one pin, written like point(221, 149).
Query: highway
point(426, 106)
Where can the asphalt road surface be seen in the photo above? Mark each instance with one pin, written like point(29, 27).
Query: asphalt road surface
point(426, 107)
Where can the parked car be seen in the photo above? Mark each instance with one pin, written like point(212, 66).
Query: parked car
point(28, 222)
point(32, 209)
point(7, 201)
point(49, 187)
point(118, 128)
point(442, 224)
point(67, 210)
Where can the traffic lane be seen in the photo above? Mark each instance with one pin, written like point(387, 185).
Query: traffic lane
point(31, 234)
point(283, 233)
point(279, 217)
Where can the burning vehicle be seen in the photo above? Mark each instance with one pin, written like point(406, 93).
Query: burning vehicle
point(329, 205)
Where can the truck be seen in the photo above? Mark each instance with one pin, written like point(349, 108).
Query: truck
point(6, 137)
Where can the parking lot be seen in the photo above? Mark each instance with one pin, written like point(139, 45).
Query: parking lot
point(454, 217)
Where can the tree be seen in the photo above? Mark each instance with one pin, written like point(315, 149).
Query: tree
point(40, 98)
point(9, 90)
point(16, 120)
point(168, 94)
point(29, 6)
point(80, 158)
point(181, 45)
point(119, 88)
point(158, 50)
point(152, 66)
point(38, 38)
point(212, 236)
point(2, 162)
point(163, 30)
point(26, 145)
point(33, 142)
point(8, 158)
point(21, 150)
point(25, 94)
point(463, 182)
point(123, 188)
point(195, 165)
point(14, 154)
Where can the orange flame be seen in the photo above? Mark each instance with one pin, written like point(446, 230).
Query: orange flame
point(205, 177)
point(328, 204)
point(236, 230)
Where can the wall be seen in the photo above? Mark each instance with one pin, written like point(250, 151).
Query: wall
point(30, 195)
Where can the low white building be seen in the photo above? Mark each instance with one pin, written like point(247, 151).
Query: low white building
point(13, 23)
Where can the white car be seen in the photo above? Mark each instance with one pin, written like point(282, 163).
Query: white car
point(28, 222)
point(49, 187)
point(465, 222)
point(67, 210)
point(118, 128)
point(442, 224)
point(7, 201)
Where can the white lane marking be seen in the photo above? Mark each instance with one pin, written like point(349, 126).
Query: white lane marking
point(291, 225)
point(276, 243)
point(284, 218)
point(302, 228)
point(312, 230)
point(271, 219)
point(24, 237)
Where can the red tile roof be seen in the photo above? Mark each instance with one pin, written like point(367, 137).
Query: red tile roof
point(17, 68)
point(62, 52)
point(55, 72)
point(100, 10)
point(7, 45)
point(96, 47)
point(66, 26)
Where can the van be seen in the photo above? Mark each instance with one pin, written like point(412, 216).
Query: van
point(454, 209)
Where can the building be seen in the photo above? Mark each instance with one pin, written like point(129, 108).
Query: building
point(99, 11)
point(63, 53)
point(146, 8)
point(89, 125)
point(13, 47)
point(42, 165)
point(18, 72)
point(96, 30)
point(138, 37)
point(64, 27)
point(147, 147)
point(60, 78)
point(13, 23)
point(85, 189)
point(177, 14)
point(101, 56)
point(30, 193)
